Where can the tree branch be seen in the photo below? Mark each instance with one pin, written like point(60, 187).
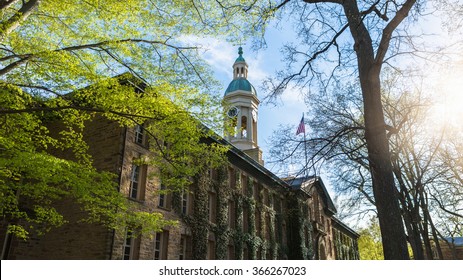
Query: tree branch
point(401, 14)
point(323, 1)
point(373, 8)
point(441, 206)
point(80, 108)
point(9, 25)
point(284, 83)
point(26, 57)
point(5, 4)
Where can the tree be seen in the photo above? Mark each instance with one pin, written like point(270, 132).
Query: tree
point(422, 157)
point(62, 61)
point(370, 247)
point(376, 35)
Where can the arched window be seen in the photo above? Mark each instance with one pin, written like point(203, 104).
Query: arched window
point(244, 126)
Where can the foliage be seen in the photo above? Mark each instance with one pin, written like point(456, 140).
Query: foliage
point(369, 242)
point(61, 62)
point(34, 181)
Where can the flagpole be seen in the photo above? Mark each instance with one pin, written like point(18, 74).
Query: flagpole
point(301, 128)
point(305, 150)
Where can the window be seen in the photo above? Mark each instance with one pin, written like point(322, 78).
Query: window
point(256, 191)
point(278, 228)
point(212, 205)
point(283, 233)
point(137, 184)
point(182, 254)
point(211, 250)
point(140, 134)
point(258, 223)
point(131, 246)
point(185, 202)
point(244, 127)
point(231, 214)
point(267, 226)
point(231, 252)
point(127, 250)
point(232, 177)
point(245, 220)
point(245, 253)
point(161, 242)
point(283, 206)
point(266, 197)
point(162, 197)
point(165, 198)
point(213, 174)
point(185, 248)
point(277, 204)
point(244, 184)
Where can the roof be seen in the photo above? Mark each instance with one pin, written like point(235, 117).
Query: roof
point(240, 84)
point(345, 228)
point(257, 170)
point(297, 183)
point(457, 241)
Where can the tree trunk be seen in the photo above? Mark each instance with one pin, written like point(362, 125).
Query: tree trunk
point(411, 220)
point(387, 203)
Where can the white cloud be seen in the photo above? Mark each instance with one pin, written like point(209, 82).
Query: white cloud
point(221, 55)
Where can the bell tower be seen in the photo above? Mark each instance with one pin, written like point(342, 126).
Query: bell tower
point(241, 105)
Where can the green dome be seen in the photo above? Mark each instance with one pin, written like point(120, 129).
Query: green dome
point(240, 84)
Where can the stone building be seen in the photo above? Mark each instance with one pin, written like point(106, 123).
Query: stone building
point(239, 211)
point(450, 247)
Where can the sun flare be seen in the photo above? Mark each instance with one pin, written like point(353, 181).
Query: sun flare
point(447, 110)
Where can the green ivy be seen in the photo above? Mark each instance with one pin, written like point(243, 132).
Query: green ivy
point(200, 220)
point(221, 230)
point(224, 235)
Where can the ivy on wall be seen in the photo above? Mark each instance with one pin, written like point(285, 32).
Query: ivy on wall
point(200, 218)
point(269, 242)
point(221, 230)
point(346, 248)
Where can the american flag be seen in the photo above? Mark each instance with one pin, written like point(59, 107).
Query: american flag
point(301, 127)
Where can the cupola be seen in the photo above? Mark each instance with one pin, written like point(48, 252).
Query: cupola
point(241, 105)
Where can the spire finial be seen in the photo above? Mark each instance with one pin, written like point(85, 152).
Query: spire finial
point(240, 51)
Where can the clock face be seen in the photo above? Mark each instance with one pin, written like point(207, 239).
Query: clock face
point(232, 112)
point(254, 115)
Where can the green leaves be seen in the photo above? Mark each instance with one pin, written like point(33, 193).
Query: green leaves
point(370, 246)
point(61, 65)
